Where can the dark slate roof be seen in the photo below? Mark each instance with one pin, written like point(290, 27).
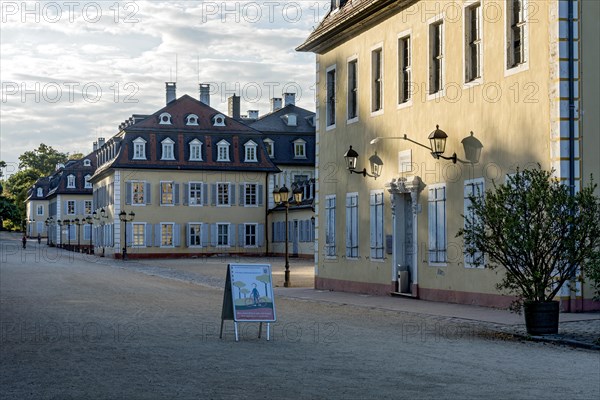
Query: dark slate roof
point(274, 127)
point(354, 17)
point(58, 180)
point(43, 183)
point(150, 129)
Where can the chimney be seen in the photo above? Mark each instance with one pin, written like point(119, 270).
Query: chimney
point(275, 104)
point(171, 91)
point(205, 93)
point(95, 146)
point(234, 106)
point(290, 98)
point(100, 142)
point(252, 114)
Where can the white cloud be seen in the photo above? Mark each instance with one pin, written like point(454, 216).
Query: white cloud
point(95, 63)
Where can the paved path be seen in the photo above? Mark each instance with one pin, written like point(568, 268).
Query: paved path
point(74, 328)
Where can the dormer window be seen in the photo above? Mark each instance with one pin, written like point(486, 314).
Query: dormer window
point(311, 120)
point(195, 150)
point(167, 149)
point(299, 148)
point(290, 119)
point(40, 192)
point(139, 149)
point(270, 145)
point(250, 151)
point(87, 163)
point(164, 119)
point(223, 150)
point(192, 120)
point(219, 120)
point(88, 184)
point(71, 182)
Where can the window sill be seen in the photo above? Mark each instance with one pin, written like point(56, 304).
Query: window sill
point(330, 127)
point(167, 247)
point(195, 159)
point(377, 113)
point(167, 159)
point(517, 69)
point(406, 104)
point(437, 264)
point(473, 83)
point(139, 158)
point(166, 205)
point(137, 205)
point(437, 96)
point(352, 121)
point(195, 246)
point(223, 160)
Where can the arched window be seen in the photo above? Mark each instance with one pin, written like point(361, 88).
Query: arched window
point(164, 119)
point(167, 149)
point(223, 150)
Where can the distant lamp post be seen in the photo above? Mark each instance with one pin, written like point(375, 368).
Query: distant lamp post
point(101, 218)
point(68, 224)
point(437, 146)
point(125, 218)
point(351, 157)
point(47, 223)
point(89, 221)
point(281, 197)
point(79, 222)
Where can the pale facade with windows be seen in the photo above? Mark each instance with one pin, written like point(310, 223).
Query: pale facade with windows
point(416, 65)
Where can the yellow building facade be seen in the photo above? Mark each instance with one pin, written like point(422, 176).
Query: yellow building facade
point(495, 71)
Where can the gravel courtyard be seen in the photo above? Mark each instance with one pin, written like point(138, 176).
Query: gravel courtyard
point(74, 327)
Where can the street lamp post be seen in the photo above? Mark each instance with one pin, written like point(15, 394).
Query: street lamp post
point(47, 223)
point(90, 221)
point(79, 222)
point(281, 197)
point(101, 218)
point(68, 223)
point(59, 239)
point(124, 217)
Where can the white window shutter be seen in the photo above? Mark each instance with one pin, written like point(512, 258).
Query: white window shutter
point(213, 194)
point(157, 235)
point(232, 194)
point(186, 194)
point(260, 235)
point(213, 235)
point(373, 224)
point(204, 235)
point(176, 193)
point(187, 235)
point(259, 194)
point(205, 194)
point(231, 234)
point(241, 235)
point(431, 219)
point(242, 200)
point(129, 230)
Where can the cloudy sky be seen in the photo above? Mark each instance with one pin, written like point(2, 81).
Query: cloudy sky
point(72, 71)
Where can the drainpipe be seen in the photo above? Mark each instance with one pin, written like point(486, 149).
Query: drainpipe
point(571, 72)
point(266, 199)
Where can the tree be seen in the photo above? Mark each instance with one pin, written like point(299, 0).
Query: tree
point(239, 285)
point(266, 278)
point(534, 229)
point(8, 210)
point(76, 156)
point(43, 159)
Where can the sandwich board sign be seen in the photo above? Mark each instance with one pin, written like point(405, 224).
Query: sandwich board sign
point(248, 296)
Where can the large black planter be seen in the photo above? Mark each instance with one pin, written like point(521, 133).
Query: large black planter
point(541, 318)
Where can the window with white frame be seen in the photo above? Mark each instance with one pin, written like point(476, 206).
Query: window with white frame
point(40, 192)
point(250, 151)
point(87, 207)
point(166, 235)
point(437, 223)
point(223, 151)
point(352, 89)
point(250, 194)
point(222, 234)
point(71, 182)
point(299, 148)
point(376, 80)
point(164, 119)
point(331, 96)
point(250, 235)
point(195, 193)
point(139, 149)
point(88, 184)
point(473, 44)
point(71, 207)
point(269, 144)
point(40, 209)
point(352, 225)
point(516, 32)
point(223, 195)
point(167, 149)
point(192, 119)
point(436, 56)
point(473, 188)
point(330, 225)
point(195, 234)
point(139, 234)
point(137, 193)
point(87, 163)
point(377, 236)
point(404, 69)
point(219, 120)
point(195, 150)
point(167, 193)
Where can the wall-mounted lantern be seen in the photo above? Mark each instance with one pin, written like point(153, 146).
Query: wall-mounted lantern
point(351, 157)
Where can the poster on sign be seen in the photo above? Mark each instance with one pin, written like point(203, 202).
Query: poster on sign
point(252, 293)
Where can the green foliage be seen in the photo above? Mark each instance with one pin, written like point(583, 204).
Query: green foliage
point(536, 231)
point(43, 160)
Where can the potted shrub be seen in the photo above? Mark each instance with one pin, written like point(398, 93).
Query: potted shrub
point(539, 234)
